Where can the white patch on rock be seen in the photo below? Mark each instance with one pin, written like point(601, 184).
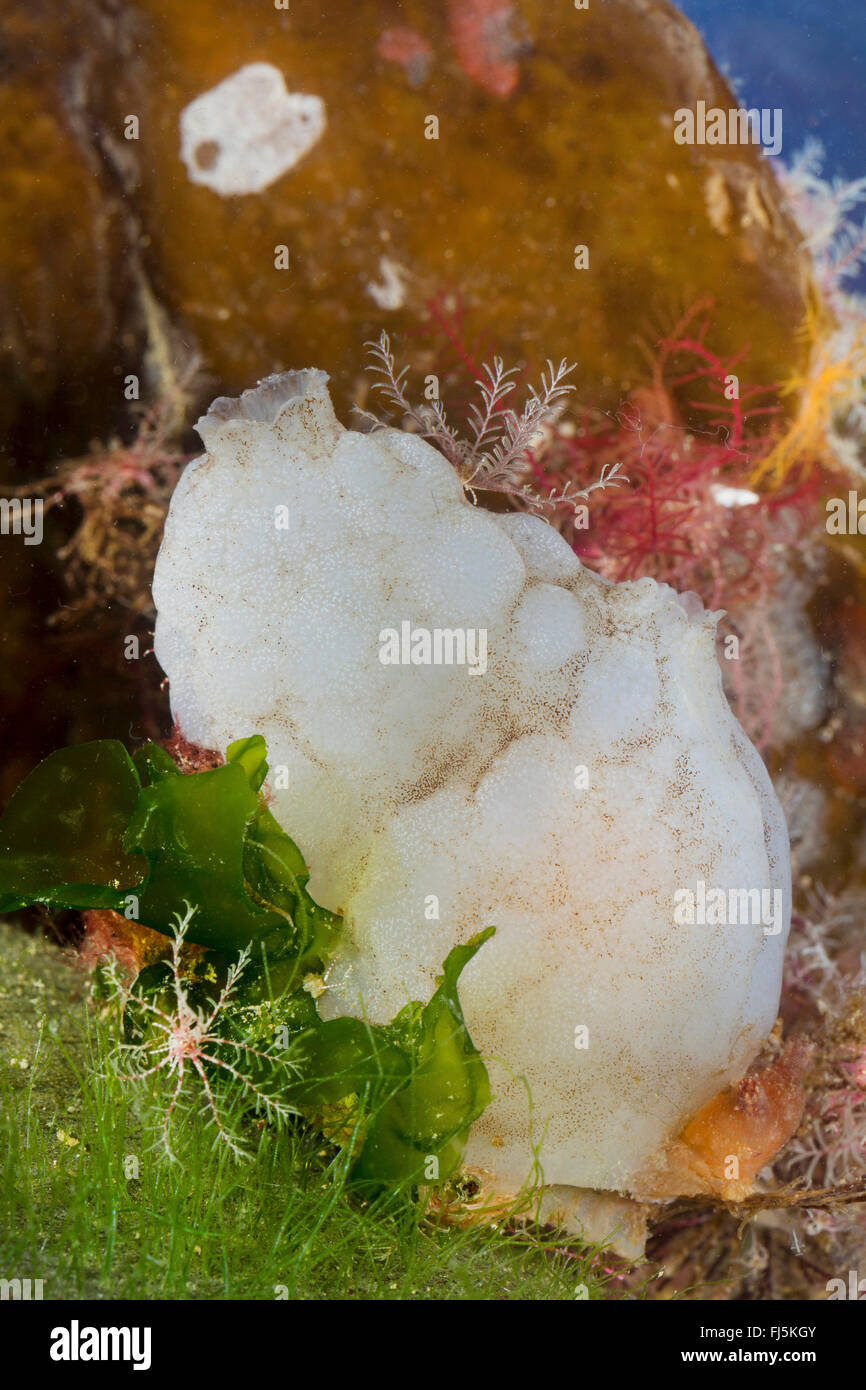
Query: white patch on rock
point(247, 131)
point(390, 292)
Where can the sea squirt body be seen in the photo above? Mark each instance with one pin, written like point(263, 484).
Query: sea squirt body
point(566, 793)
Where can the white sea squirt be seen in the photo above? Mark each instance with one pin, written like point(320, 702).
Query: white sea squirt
point(566, 795)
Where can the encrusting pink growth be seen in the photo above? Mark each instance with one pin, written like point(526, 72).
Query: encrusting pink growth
point(109, 937)
point(191, 757)
point(409, 49)
point(483, 37)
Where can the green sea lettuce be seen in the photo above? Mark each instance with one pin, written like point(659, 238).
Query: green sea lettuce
point(92, 827)
point(419, 1080)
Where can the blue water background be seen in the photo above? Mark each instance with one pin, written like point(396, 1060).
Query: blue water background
point(807, 57)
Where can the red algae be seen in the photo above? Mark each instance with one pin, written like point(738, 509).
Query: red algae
point(483, 37)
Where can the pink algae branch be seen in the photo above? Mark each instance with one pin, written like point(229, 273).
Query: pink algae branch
point(483, 38)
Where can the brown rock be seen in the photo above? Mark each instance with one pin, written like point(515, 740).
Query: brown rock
point(66, 262)
point(555, 130)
